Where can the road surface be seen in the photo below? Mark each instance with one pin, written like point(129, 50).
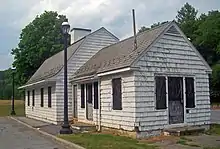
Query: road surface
point(215, 116)
point(14, 135)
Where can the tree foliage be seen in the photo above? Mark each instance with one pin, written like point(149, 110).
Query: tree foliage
point(6, 85)
point(143, 28)
point(39, 40)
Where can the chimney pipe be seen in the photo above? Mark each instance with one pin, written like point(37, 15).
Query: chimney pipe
point(134, 26)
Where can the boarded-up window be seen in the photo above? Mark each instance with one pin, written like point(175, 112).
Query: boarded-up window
point(95, 95)
point(160, 92)
point(190, 93)
point(82, 96)
point(33, 98)
point(116, 90)
point(42, 97)
point(28, 98)
point(89, 93)
point(49, 97)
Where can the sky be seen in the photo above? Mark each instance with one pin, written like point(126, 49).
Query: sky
point(115, 15)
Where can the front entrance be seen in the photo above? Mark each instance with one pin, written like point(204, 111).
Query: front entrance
point(75, 101)
point(175, 100)
point(89, 106)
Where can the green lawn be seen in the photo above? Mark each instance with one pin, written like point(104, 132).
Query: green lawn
point(105, 141)
point(214, 129)
point(5, 108)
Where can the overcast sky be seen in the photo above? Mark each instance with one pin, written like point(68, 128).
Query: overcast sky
point(115, 15)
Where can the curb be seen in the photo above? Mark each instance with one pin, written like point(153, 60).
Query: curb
point(62, 141)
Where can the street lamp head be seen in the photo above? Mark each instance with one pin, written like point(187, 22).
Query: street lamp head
point(65, 27)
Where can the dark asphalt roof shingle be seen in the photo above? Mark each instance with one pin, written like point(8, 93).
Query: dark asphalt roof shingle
point(54, 64)
point(121, 54)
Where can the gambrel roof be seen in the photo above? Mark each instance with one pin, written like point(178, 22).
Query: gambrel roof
point(123, 55)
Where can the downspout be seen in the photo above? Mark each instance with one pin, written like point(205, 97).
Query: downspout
point(99, 102)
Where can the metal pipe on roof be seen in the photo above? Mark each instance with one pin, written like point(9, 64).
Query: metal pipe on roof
point(134, 27)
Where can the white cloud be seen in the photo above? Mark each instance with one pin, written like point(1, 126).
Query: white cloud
point(115, 15)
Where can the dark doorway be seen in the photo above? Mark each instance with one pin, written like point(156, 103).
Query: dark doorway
point(89, 107)
point(75, 101)
point(176, 101)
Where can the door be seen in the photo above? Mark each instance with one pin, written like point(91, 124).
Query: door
point(89, 106)
point(75, 101)
point(175, 100)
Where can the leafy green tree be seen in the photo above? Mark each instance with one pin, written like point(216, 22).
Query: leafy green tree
point(208, 37)
point(142, 29)
point(158, 23)
point(39, 40)
point(186, 18)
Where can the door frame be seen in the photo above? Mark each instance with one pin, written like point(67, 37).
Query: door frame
point(166, 75)
point(184, 100)
point(86, 101)
point(75, 100)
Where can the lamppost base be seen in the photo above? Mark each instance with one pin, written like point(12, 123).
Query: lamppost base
point(13, 113)
point(66, 129)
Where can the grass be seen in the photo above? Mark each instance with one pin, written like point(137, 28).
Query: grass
point(214, 129)
point(5, 107)
point(105, 141)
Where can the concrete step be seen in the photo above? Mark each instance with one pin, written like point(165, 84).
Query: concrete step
point(180, 131)
point(82, 126)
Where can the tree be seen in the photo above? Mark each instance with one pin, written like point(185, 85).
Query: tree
point(208, 37)
point(186, 13)
point(158, 24)
point(143, 28)
point(39, 40)
point(186, 18)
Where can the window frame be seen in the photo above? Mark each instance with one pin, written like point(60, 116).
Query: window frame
point(82, 94)
point(96, 99)
point(166, 93)
point(33, 98)
point(42, 97)
point(113, 97)
point(49, 93)
point(28, 98)
point(194, 87)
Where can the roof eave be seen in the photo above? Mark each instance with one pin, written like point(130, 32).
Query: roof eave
point(36, 83)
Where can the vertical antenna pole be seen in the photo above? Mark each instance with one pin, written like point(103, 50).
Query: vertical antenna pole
point(134, 26)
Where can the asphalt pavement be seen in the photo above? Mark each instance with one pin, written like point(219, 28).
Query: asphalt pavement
point(14, 135)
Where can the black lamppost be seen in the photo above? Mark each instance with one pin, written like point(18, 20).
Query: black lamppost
point(13, 93)
point(65, 127)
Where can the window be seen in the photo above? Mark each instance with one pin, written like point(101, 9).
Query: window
point(96, 95)
point(190, 93)
point(33, 98)
point(28, 98)
point(42, 97)
point(89, 93)
point(49, 97)
point(82, 96)
point(160, 92)
point(116, 90)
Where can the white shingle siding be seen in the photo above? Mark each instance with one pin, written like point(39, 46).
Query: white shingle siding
point(120, 119)
point(90, 47)
point(170, 55)
point(42, 113)
point(92, 44)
